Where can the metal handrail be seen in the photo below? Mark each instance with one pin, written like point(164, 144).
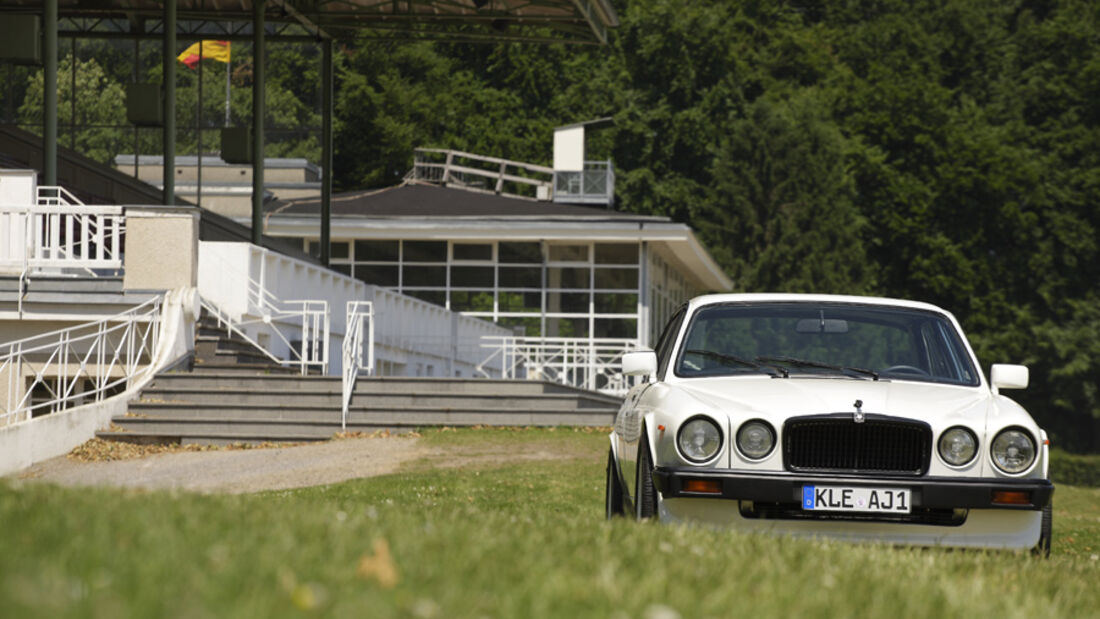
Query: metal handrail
point(587, 363)
point(64, 362)
point(482, 174)
point(312, 316)
point(358, 313)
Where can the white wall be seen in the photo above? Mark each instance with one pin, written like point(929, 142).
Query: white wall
point(409, 333)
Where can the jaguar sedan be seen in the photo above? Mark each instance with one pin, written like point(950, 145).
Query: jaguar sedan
point(848, 417)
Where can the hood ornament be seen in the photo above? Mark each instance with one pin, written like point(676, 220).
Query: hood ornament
point(858, 417)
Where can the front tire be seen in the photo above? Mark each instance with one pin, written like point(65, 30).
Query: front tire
point(1042, 549)
point(645, 494)
point(614, 494)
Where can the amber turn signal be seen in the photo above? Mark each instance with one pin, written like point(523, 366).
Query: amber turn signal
point(707, 486)
point(1011, 497)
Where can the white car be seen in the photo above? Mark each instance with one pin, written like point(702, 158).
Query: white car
point(813, 415)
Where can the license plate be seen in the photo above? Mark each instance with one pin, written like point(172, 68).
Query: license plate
point(856, 499)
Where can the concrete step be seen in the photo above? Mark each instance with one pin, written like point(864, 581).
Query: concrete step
point(157, 399)
point(68, 285)
point(328, 424)
point(220, 367)
point(372, 386)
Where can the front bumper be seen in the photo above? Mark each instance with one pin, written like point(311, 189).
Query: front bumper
point(930, 493)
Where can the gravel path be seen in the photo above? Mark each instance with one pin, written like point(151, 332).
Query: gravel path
point(235, 471)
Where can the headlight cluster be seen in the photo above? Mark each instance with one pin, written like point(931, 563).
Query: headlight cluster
point(1013, 450)
point(699, 439)
point(755, 439)
point(958, 446)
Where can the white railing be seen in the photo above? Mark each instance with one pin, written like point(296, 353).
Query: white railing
point(592, 364)
point(58, 370)
point(452, 168)
point(358, 340)
point(307, 320)
point(417, 338)
point(57, 234)
point(240, 285)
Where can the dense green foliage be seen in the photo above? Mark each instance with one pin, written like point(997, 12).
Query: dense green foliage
point(1075, 469)
point(487, 536)
point(936, 150)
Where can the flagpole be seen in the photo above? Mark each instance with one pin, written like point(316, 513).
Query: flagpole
point(227, 60)
point(198, 133)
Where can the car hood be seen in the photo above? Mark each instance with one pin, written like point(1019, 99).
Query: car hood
point(785, 397)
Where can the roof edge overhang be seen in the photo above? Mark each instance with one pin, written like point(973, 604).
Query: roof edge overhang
point(678, 240)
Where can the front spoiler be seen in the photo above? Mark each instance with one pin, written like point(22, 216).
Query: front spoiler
point(927, 492)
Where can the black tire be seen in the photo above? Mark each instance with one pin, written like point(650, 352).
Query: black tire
point(614, 493)
point(1042, 549)
point(645, 494)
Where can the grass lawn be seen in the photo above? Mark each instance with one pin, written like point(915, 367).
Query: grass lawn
point(491, 538)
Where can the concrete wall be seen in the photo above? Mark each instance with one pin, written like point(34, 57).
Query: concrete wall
point(162, 248)
point(42, 438)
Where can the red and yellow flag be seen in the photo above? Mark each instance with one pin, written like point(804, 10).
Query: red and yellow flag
point(212, 50)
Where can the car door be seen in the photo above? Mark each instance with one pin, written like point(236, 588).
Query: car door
point(628, 423)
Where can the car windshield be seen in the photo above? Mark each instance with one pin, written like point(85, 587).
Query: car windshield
point(867, 342)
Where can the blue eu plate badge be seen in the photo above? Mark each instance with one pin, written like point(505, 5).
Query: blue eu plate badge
point(807, 497)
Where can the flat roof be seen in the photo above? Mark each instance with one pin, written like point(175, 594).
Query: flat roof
point(419, 201)
point(441, 213)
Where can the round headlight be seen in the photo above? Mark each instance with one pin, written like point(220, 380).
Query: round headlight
point(1013, 450)
point(755, 439)
point(699, 439)
point(958, 446)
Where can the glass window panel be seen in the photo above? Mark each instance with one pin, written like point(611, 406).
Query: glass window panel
point(567, 277)
point(472, 251)
point(424, 276)
point(617, 279)
point(380, 274)
point(566, 327)
point(616, 253)
point(313, 248)
point(616, 327)
point(529, 327)
point(519, 301)
point(425, 251)
point(376, 251)
point(611, 303)
point(521, 253)
point(338, 250)
point(471, 277)
point(567, 302)
point(520, 277)
point(431, 296)
point(470, 301)
point(341, 268)
point(569, 253)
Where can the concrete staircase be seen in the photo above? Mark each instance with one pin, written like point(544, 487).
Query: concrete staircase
point(235, 394)
point(63, 295)
point(226, 408)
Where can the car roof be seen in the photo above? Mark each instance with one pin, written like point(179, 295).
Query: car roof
point(783, 297)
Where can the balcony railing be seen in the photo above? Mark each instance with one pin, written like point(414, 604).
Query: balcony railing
point(593, 185)
point(452, 168)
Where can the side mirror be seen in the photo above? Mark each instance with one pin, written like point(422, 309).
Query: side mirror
point(640, 363)
point(1005, 376)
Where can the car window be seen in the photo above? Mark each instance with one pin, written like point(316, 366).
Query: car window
point(667, 339)
point(824, 338)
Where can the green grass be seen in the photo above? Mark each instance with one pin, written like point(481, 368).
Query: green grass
point(491, 538)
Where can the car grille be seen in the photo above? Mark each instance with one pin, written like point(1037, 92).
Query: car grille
point(837, 444)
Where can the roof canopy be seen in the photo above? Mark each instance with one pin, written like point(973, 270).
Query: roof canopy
point(580, 21)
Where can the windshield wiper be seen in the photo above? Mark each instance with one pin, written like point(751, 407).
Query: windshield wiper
point(734, 359)
point(805, 363)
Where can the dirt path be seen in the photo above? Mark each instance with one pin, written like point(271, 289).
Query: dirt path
point(236, 471)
